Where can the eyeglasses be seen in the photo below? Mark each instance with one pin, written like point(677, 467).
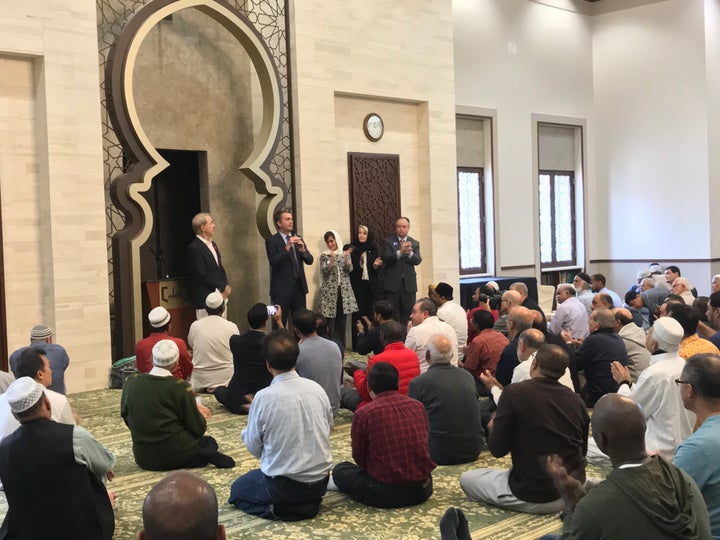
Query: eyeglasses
point(680, 381)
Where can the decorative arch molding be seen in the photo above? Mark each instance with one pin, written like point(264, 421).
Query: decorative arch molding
point(146, 162)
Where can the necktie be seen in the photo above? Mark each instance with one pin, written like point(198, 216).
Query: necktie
point(296, 269)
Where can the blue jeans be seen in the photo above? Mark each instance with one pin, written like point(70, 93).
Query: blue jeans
point(277, 497)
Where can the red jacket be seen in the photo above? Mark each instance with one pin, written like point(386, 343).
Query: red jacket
point(405, 361)
point(143, 355)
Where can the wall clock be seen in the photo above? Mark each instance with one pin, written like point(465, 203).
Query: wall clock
point(373, 127)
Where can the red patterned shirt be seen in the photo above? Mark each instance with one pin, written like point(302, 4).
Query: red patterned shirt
point(484, 351)
point(390, 439)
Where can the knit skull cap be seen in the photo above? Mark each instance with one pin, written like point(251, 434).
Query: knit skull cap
point(668, 333)
point(493, 284)
point(655, 267)
point(214, 300)
point(159, 317)
point(444, 290)
point(23, 393)
point(41, 331)
point(642, 274)
point(165, 353)
point(583, 276)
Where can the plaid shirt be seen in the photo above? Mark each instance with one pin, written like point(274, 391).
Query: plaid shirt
point(390, 439)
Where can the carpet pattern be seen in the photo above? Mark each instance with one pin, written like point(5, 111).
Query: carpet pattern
point(339, 518)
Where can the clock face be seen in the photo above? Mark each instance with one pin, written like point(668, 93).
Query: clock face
point(373, 127)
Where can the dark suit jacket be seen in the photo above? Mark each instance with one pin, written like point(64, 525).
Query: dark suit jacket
point(206, 275)
point(282, 280)
point(251, 373)
point(394, 269)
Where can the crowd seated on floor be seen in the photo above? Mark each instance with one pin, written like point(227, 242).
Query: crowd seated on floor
point(521, 384)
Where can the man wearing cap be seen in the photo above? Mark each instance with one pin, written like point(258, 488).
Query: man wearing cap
point(204, 264)
point(582, 290)
point(33, 363)
point(52, 473)
point(668, 423)
point(168, 430)
point(209, 339)
point(160, 321)
point(451, 313)
point(41, 336)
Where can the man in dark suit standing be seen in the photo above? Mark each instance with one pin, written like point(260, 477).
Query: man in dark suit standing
point(204, 264)
point(400, 255)
point(288, 256)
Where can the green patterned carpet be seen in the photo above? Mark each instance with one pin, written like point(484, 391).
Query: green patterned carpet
point(339, 518)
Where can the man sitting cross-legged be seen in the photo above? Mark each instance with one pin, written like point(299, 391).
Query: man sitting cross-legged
point(396, 353)
point(181, 506)
point(52, 473)
point(250, 374)
point(392, 465)
point(168, 430)
point(668, 423)
point(534, 418)
point(643, 497)
point(451, 400)
point(288, 429)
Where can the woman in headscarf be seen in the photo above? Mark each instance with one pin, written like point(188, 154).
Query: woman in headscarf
point(336, 295)
point(364, 278)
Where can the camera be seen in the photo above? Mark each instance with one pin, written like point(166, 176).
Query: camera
point(272, 310)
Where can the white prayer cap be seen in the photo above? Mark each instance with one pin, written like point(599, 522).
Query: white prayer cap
point(165, 353)
point(493, 285)
point(159, 317)
point(668, 333)
point(214, 300)
point(23, 394)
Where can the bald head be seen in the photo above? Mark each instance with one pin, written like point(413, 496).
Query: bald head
point(623, 317)
point(182, 506)
point(439, 350)
point(519, 320)
point(510, 299)
point(618, 427)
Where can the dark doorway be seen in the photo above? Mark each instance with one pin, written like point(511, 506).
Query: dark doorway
point(174, 199)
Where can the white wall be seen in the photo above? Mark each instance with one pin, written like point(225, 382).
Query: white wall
point(549, 73)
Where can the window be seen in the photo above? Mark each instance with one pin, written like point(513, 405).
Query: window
point(557, 218)
point(471, 220)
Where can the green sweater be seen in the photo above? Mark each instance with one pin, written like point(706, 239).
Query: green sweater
point(164, 421)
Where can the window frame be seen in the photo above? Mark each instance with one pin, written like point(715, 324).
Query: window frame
point(482, 226)
point(552, 173)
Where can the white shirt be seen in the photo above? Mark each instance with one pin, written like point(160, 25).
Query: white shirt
point(419, 336)
point(289, 427)
point(212, 360)
point(455, 316)
point(668, 422)
point(210, 246)
point(522, 373)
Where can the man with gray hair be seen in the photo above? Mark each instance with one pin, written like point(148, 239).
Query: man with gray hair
point(699, 385)
point(571, 314)
point(41, 336)
point(527, 302)
point(168, 430)
point(53, 474)
point(715, 284)
point(668, 423)
point(596, 353)
point(426, 325)
point(682, 287)
point(451, 401)
point(205, 264)
point(181, 506)
point(528, 344)
point(519, 320)
point(634, 339)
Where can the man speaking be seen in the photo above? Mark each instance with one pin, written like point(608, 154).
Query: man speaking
point(288, 256)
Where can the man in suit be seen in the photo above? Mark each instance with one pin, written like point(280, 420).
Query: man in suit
point(288, 255)
point(204, 264)
point(400, 255)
